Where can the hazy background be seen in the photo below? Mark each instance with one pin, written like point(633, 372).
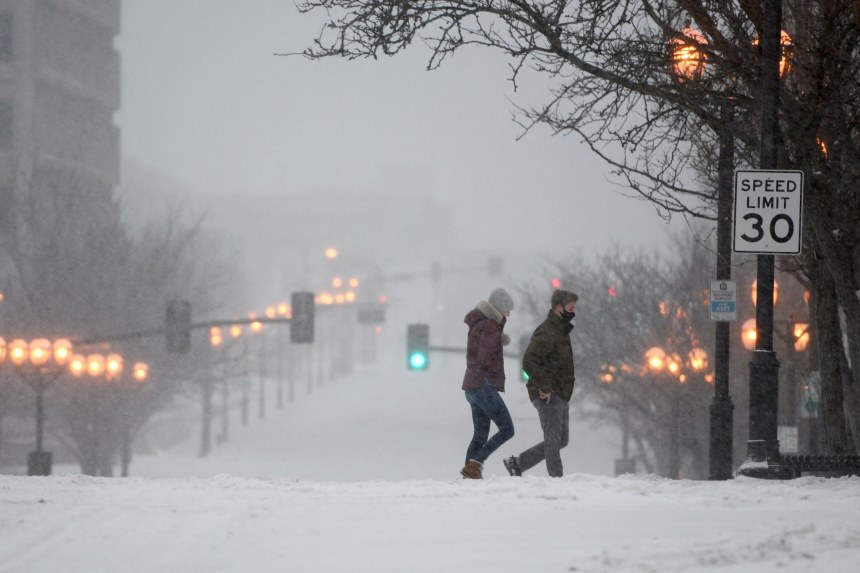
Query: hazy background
point(394, 165)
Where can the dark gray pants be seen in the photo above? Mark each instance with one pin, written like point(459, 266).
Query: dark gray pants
point(555, 422)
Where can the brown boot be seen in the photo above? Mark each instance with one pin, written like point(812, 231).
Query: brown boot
point(472, 470)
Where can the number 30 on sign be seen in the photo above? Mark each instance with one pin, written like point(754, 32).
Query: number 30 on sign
point(768, 212)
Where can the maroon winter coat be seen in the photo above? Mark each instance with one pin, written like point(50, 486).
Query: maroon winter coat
point(484, 357)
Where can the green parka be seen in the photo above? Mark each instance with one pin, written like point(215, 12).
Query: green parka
point(548, 359)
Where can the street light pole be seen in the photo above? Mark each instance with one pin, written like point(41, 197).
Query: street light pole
point(721, 410)
point(763, 446)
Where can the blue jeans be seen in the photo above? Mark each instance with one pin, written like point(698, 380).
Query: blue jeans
point(487, 405)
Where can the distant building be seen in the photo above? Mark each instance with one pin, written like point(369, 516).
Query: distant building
point(59, 91)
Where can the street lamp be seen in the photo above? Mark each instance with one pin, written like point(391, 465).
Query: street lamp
point(38, 362)
point(689, 59)
point(763, 446)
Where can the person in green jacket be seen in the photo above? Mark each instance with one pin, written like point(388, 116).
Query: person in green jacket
point(548, 362)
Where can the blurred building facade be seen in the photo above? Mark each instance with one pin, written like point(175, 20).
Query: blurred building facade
point(59, 91)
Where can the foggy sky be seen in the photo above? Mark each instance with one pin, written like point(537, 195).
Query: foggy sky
point(206, 101)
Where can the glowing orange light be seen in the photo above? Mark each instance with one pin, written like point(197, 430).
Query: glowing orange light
point(140, 371)
point(331, 253)
point(698, 359)
point(786, 55)
point(95, 365)
point(40, 351)
point(77, 365)
point(688, 54)
point(353, 283)
point(755, 291)
point(236, 331)
point(62, 350)
point(2, 349)
point(215, 337)
point(655, 358)
point(822, 146)
point(113, 366)
point(801, 336)
point(748, 334)
point(19, 350)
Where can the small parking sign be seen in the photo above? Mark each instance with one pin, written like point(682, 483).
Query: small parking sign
point(724, 300)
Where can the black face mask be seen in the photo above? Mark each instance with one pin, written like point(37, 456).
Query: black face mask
point(567, 316)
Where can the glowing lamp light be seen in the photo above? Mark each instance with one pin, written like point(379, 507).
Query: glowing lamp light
point(236, 331)
point(754, 292)
point(698, 359)
point(40, 352)
point(331, 253)
point(382, 299)
point(337, 282)
point(655, 358)
point(77, 365)
point(283, 309)
point(748, 334)
point(349, 296)
point(95, 365)
point(271, 312)
point(2, 349)
point(688, 54)
point(801, 336)
point(256, 326)
point(19, 350)
point(62, 350)
point(113, 366)
point(140, 372)
point(786, 54)
point(215, 337)
point(353, 283)
point(673, 364)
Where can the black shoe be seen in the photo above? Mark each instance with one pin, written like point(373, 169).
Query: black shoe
point(512, 466)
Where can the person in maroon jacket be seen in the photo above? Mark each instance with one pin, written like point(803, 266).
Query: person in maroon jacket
point(485, 379)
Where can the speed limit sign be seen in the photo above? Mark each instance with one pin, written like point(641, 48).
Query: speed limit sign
point(768, 212)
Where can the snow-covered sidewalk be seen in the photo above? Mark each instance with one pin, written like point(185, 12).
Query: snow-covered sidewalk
point(579, 523)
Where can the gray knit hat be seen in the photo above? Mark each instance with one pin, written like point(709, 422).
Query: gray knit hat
point(500, 299)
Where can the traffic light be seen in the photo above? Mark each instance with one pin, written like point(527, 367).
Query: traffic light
point(302, 323)
point(179, 326)
point(417, 346)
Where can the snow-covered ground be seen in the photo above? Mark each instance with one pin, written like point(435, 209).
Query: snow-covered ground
point(362, 475)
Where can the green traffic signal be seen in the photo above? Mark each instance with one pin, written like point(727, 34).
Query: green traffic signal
point(417, 361)
point(417, 346)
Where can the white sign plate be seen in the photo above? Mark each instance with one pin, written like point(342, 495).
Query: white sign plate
point(768, 212)
point(724, 300)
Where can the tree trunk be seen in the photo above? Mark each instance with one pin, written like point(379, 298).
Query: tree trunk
point(830, 352)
